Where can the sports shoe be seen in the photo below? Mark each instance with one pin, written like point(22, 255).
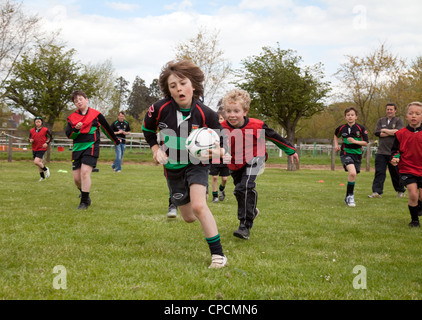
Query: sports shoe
point(172, 211)
point(414, 224)
point(401, 194)
point(375, 195)
point(222, 195)
point(215, 199)
point(350, 201)
point(242, 232)
point(47, 173)
point(256, 213)
point(83, 206)
point(41, 179)
point(218, 261)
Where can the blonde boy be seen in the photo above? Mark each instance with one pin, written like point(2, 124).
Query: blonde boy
point(407, 154)
point(247, 146)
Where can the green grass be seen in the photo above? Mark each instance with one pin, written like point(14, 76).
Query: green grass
point(304, 245)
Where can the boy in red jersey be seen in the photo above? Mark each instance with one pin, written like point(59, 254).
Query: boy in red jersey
point(83, 128)
point(247, 146)
point(40, 137)
point(407, 154)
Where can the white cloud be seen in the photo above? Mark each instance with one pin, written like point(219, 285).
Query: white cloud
point(321, 32)
point(182, 6)
point(122, 6)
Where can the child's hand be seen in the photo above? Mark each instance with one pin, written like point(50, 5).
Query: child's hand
point(294, 158)
point(160, 156)
point(395, 161)
point(351, 140)
point(337, 148)
point(227, 157)
point(78, 125)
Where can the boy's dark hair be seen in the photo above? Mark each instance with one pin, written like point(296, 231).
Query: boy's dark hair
point(78, 93)
point(351, 109)
point(122, 112)
point(391, 104)
point(182, 69)
point(39, 118)
point(220, 112)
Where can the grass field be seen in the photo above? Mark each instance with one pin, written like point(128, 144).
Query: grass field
point(305, 244)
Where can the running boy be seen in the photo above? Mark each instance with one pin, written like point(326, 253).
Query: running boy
point(174, 117)
point(40, 137)
point(354, 137)
point(219, 168)
point(407, 154)
point(247, 146)
point(83, 128)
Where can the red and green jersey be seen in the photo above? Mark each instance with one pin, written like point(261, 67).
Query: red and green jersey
point(357, 132)
point(88, 137)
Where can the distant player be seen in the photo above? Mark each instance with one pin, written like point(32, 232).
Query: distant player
point(174, 117)
point(40, 137)
point(354, 138)
point(83, 127)
point(219, 168)
point(247, 147)
point(121, 129)
point(407, 154)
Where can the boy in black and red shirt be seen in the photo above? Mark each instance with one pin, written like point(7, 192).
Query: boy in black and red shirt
point(247, 147)
point(173, 118)
point(407, 154)
point(40, 137)
point(354, 137)
point(83, 128)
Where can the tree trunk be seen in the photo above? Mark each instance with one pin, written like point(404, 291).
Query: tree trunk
point(291, 138)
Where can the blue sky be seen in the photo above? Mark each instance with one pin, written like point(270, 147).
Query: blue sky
point(139, 37)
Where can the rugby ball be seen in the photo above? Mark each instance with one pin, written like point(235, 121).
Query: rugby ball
point(199, 141)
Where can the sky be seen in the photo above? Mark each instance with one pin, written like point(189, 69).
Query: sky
point(139, 37)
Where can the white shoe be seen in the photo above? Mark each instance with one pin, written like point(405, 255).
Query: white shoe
point(350, 201)
point(172, 212)
point(41, 179)
point(47, 173)
point(218, 261)
point(375, 195)
point(401, 195)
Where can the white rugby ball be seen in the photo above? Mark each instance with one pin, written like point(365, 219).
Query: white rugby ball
point(199, 141)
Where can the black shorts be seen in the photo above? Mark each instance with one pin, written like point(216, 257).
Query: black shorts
point(355, 159)
point(219, 170)
point(37, 154)
point(179, 188)
point(84, 159)
point(408, 179)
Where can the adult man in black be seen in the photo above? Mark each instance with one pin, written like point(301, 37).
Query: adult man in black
point(385, 129)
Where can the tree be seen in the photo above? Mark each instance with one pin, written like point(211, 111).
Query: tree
point(281, 90)
point(16, 31)
point(366, 80)
point(105, 97)
point(41, 83)
point(204, 52)
point(141, 97)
